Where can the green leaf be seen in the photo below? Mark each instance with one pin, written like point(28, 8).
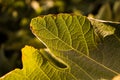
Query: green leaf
point(73, 51)
point(31, 63)
point(72, 39)
point(38, 67)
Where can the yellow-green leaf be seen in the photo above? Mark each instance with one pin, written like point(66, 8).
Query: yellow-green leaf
point(73, 52)
point(72, 39)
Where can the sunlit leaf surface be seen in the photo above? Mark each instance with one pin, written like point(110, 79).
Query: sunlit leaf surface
point(78, 49)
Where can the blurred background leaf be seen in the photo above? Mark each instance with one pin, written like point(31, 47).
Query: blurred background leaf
point(15, 17)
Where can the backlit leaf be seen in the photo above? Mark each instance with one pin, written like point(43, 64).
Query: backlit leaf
point(73, 50)
point(72, 39)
